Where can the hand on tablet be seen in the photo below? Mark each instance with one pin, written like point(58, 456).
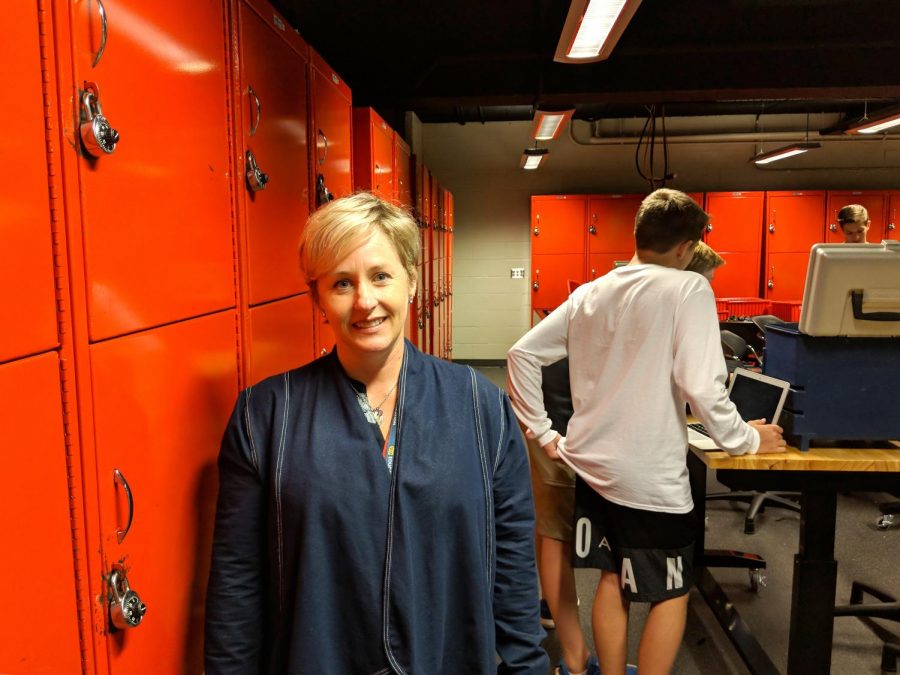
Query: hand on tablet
point(770, 437)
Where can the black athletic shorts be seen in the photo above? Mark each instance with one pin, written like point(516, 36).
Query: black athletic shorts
point(652, 552)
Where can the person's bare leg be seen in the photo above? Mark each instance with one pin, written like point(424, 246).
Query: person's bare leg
point(558, 583)
point(610, 623)
point(662, 636)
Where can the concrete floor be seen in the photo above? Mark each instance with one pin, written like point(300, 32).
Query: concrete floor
point(863, 552)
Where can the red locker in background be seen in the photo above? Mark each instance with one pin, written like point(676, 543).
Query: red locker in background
point(402, 193)
point(38, 613)
point(157, 211)
point(26, 256)
point(610, 232)
point(427, 300)
point(875, 202)
point(331, 129)
point(795, 220)
point(892, 226)
point(558, 234)
point(272, 112)
point(373, 153)
point(735, 232)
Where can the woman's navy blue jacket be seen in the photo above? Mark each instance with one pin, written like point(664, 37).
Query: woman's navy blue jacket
point(326, 562)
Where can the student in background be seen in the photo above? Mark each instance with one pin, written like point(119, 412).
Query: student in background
point(642, 341)
point(854, 222)
point(705, 261)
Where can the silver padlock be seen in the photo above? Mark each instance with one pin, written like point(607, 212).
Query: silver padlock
point(97, 137)
point(126, 610)
point(256, 179)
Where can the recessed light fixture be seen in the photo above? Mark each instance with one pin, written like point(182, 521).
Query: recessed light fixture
point(549, 123)
point(783, 153)
point(531, 158)
point(592, 29)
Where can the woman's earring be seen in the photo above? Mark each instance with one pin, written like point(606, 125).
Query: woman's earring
point(412, 300)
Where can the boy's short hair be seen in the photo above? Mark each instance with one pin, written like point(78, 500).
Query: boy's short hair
point(704, 259)
point(666, 218)
point(853, 213)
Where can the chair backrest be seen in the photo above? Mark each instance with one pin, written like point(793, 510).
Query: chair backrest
point(571, 284)
point(763, 320)
point(734, 346)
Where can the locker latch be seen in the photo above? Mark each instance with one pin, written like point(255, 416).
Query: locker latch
point(97, 137)
point(256, 179)
point(126, 610)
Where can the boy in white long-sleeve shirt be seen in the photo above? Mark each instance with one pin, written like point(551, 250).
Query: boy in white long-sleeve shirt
point(641, 341)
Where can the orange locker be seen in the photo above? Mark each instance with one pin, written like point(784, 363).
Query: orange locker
point(451, 224)
point(735, 232)
point(601, 263)
point(161, 399)
point(558, 225)
point(272, 111)
point(426, 345)
point(373, 153)
point(892, 224)
point(611, 223)
point(157, 210)
point(795, 220)
point(324, 334)
point(26, 256)
point(331, 125)
point(280, 337)
point(876, 203)
point(38, 613)
point(402, 193)
point(549, 276)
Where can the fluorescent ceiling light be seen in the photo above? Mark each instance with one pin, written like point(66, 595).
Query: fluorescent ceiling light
point(548, 124)
point(592, 29)
point(783, 153)
point(873, 126)
point(531, 158)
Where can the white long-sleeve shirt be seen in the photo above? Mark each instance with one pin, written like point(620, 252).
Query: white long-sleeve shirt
point(641, 340)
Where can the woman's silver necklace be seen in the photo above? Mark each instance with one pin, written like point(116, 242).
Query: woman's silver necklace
point(376, 410)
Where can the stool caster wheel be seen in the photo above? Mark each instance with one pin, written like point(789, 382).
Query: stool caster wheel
point(885, 521)
point(757, 580)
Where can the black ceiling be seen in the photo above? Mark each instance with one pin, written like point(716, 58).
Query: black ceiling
point(472, 60)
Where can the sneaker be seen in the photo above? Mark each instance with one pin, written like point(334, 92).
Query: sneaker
point(546, 618)
point(592, 668)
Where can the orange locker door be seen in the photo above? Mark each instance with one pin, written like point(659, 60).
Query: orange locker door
point(161, 399)
point(892, 226)
point(402, 194)
point(373, 153)
point(331, 115)
point(324, 334)
point(739, 276)
point(794, 220)
point(786, 275)
point(557, 225)
point(601, 263)
point(26, 256)
point(38, 613)
point(272, 112)
point(875, 202)
point(735, 221)
point(157, 211)
point(281, 336)
point(419, 193)
point(549, 276)
point(611, 223)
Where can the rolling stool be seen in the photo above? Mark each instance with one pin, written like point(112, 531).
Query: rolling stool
point(887, 608)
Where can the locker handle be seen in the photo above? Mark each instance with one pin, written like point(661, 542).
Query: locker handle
point(325, 146)
point(121, 534)
point(832, 227)
point(891, 226)
point(103, 32)
point(255, 124)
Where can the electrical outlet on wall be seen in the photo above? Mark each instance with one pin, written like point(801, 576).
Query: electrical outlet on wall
point(517, 273)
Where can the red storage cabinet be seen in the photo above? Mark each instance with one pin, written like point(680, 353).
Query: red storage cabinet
point(795, 220)
point(735, 232)
point(281, 337)
point(26, 256)
point(601, 263)
point(373, 153)
point(558, 224)
point(157, 212)
point(272, 112)
point(402, 188)
point(38, 613)
point(610, 227)
point(549, 277)
point(161, 399)
point(331, 128)
point(875, 202)
point(892, 224)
